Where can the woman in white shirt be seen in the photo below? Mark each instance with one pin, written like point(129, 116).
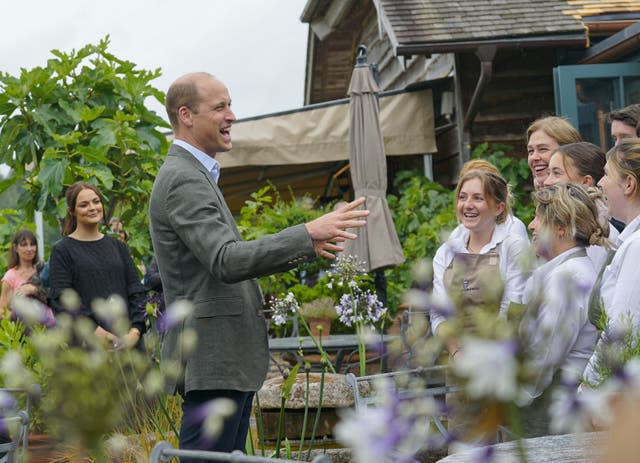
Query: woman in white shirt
point(480, 268)
point(583, 163)
point(556, 328)
point(618, 292)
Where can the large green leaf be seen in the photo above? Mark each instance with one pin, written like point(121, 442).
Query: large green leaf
point(104, 175)
point(51, 174)
point(107, 134)
point(93, 154)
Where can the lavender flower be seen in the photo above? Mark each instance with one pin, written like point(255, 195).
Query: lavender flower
point(283, 308)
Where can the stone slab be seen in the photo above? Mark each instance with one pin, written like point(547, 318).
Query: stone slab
point(567, 448)
point(337, 393)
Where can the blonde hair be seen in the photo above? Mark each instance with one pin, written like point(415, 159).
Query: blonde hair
point(625, 159)
point(494, 187)
point(555, 127)
point(478, 164)
point(572, 207)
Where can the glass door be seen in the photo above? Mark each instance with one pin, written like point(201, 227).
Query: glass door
point(585, 94)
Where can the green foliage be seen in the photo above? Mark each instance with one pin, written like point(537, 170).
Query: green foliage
point(13, 338)
point(83, 117)
point(267, 213)
point(517, 174)
point(614, 354)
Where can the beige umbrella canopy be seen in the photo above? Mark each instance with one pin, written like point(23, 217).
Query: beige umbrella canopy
point(377, 244)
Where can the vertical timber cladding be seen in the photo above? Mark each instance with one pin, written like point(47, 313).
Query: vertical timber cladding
point(334, 56)
point(520, 91)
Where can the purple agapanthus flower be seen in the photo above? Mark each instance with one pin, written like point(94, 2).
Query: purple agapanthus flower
point(393, 431)
point(360, 308)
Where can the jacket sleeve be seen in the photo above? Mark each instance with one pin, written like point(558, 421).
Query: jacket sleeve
point(208, 231)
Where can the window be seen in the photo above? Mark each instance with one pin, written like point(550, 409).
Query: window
point(585, 94)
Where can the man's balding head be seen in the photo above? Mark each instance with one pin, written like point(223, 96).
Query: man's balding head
point(184, 92)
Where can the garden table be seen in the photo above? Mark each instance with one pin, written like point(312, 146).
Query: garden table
point(339, 344)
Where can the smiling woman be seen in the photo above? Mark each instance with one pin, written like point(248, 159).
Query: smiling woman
point(544, 136)
point(477, 273)
point(479, 267)
point(96, 266)
point(20, 279)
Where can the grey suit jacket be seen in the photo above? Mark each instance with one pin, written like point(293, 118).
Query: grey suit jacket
point(202, 258)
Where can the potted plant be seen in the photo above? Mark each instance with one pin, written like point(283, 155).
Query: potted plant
point(319, 313)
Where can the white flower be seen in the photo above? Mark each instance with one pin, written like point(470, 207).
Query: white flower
point(490, 367)
point(283, 307)
point(70, 300)
point(572, 411)
point(177, 313)
point(216, 411)
point(29, 310)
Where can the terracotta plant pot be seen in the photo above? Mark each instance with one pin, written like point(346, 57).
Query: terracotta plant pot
point(315, 322)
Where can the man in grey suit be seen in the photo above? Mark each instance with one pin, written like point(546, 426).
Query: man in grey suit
point(202, 258)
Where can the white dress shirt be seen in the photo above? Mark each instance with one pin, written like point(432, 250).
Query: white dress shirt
point(620, 290)
point(512, 223)
point(557, 324)
point(513, 250)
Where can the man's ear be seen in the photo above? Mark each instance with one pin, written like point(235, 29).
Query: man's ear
point(185, 116)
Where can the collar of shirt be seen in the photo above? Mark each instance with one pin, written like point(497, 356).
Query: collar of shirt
point(629, 229)
point(459, 243)
point(209, 163)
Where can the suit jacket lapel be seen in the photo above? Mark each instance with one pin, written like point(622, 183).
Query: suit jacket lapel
point(180, 152)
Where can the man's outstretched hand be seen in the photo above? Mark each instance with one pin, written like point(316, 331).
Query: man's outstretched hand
point(332, 227)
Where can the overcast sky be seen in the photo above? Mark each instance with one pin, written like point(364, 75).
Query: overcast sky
point(257, 47)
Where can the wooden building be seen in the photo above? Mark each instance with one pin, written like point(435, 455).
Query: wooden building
point(510, 62)
point(489, 67)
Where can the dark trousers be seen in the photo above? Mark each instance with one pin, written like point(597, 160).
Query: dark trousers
point(234, 430)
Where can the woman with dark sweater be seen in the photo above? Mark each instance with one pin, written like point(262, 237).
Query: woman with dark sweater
point(95, 266)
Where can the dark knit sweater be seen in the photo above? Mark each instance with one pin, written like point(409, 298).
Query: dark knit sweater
point(96, 269)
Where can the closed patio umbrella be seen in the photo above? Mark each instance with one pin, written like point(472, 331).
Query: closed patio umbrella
point(377, 244)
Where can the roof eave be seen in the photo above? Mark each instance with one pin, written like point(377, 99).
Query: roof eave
point(624, 42)
point(425, 48)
